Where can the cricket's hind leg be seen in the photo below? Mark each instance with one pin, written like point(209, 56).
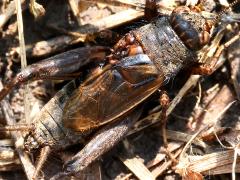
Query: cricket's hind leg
point(100, 143)
point(61, 66)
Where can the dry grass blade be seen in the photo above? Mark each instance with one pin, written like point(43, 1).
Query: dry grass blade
point(152, 168)
point(21, 34)
point(209, 164)
point(155, 170)
point(137, 168)
point(23, 57)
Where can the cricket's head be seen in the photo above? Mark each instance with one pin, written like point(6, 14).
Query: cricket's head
point(191, 27)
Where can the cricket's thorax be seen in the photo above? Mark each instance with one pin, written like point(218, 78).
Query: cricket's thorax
point(164, 47)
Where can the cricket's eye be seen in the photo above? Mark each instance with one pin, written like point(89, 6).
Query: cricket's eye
point(191, 27)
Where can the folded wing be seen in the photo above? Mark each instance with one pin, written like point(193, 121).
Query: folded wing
point(112, 94)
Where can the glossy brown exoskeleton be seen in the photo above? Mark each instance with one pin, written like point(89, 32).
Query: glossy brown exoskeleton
point(141, 62)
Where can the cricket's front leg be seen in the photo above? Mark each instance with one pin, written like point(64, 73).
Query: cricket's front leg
point(104, 140)
point(213, 54)
point(61, 66)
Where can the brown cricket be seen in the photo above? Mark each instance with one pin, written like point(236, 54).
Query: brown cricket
point(141, 63)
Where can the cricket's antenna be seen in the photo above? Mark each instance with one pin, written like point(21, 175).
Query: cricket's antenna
point(217, 19)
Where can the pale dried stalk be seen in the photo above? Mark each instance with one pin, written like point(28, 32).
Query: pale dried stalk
point(215, 163)
point(23, 57)
point(137, 168)
point(28, 167)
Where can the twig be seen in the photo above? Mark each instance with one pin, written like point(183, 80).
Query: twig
point(59, 43)
point(137, 167)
